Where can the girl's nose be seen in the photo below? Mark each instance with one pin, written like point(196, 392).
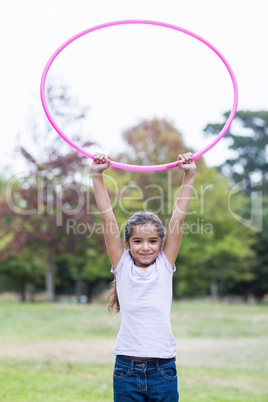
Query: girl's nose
point(145, 246)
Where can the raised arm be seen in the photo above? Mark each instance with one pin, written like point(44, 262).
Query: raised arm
point(174, 233)
point(110, 227)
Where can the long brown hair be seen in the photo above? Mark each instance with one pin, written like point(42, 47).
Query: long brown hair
point(139, 218)
point(112, 297)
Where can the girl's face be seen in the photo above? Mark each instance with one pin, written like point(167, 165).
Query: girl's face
point(144, 245)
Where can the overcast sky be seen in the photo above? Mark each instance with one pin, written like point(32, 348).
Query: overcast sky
point(129, 73)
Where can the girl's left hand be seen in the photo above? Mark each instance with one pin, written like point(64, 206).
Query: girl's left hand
point(186, 163)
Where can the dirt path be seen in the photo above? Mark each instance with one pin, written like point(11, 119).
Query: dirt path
point(242, 352)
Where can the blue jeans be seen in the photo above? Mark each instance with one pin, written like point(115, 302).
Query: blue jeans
point(145, 380)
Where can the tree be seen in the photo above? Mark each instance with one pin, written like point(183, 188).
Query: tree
point(206, 259)
point(22, 273)
point(249, 170)
point(37, 210)
point(249, 141)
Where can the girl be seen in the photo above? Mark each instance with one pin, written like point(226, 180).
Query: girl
point(145, 349)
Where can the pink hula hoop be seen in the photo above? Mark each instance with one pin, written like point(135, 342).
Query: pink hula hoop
point(162, 24)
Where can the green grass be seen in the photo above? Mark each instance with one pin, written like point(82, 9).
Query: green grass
point(189, 319)
point(204, 319)
point(222, 385)
point(52, 381)
point(230, 364)
point(46, 321)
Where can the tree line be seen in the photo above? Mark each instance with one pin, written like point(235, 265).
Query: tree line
point(51, 233)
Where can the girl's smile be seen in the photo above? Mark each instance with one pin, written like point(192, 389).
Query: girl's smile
point(144, 245)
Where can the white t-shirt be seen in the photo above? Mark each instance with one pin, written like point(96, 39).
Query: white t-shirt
point(145, 297)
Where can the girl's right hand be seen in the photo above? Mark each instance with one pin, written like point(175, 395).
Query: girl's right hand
point(100, 163)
